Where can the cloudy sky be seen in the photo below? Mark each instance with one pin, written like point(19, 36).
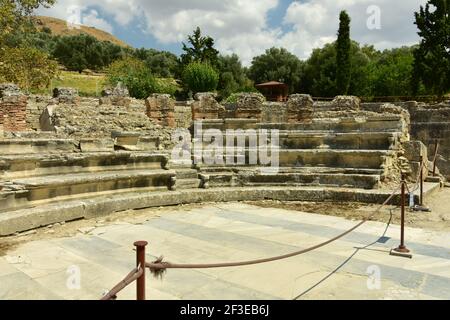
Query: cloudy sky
point(245, 27)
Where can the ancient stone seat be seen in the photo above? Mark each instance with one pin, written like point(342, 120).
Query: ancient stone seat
point(26, 179)
point(335, 152)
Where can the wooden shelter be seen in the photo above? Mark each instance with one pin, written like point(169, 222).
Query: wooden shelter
point(274, 90)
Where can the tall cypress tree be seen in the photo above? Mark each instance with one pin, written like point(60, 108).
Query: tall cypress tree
point(343, 58)
point(432, 57)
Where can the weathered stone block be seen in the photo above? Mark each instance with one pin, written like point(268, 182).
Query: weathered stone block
point(161, 109)
point(249, 106)
point(345, 103)
point(206, 107)
point(118, 96)
point(46, 120)
point(9, 89)
point(414, 149)
point(300, 108)
point(13, 108)
point(66, 95)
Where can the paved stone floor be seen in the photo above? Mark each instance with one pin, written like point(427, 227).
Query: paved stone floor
point(356, 267)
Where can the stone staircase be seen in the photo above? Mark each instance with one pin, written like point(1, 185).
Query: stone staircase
point(44, 180)
point(334, 152)
point(42, 172)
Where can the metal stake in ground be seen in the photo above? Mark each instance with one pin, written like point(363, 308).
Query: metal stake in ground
point(140, 263)
point(436, 149)
point(421, 181)
point(402, 250)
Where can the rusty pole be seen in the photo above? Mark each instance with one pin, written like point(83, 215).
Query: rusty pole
point(402, 248)
point(436, 148)
point(140, 261)
point(421, 181)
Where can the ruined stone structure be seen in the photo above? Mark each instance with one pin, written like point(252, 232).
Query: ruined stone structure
point(428, 123)
point(161, 109)
point(66, 95)
point(118, 96)
point(13, 106)
point(300, 108)
point(346, 103)
point(205, 106)
point(249, 106)
point(95, 158)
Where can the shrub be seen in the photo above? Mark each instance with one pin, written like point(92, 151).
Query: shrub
point(200, 77)
point(135, 75)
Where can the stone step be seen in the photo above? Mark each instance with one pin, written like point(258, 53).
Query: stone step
point(188, 184)
point(30, 165)
point(336, 180)
point(293, 170)
point(35, 146)
point(367, 159)
point(350, 141)
point(320, 140)
point(382, 123)
point(222, 179)
point(366, 124)
point(31, 218)
point(186, 173)
point(20, 192)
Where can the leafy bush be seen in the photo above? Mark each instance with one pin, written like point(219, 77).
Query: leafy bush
point(167, 86)
point(29, 68)
point(200, 77)
point(135, 75)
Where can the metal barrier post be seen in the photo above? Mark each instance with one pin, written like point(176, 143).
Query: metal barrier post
point(140, 262)
point(436, 148)
point(421, 181)
point(402, 250)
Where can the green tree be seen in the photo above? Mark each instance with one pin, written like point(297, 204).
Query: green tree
point(343, 55)
point(390, 72)
point(83, 51)
point(277, 64)
point(200, 77)
point(233, 77)
point(162, 64)
point(199, 49)
point(432, 57)
point(15, 15)
point(135, 75)
point(29, 68)
point(319, 72)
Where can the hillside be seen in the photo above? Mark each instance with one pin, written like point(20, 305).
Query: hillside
point(59, 27)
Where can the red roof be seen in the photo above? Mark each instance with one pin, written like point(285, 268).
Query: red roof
point(271, 84)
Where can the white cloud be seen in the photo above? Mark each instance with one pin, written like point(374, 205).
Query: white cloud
point(241, 26)
point(91, 19)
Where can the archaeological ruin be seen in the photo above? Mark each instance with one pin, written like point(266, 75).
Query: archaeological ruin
point(67, 157)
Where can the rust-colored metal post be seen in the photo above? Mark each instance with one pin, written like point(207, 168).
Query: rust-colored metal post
point(402, 248)
point(421, 180)
point(140, 261)
point(436, 148)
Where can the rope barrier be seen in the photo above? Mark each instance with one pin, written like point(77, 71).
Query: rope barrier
point(159, 267)
point(130, 278)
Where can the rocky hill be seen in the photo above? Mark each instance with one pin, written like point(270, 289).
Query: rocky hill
point(60, 27)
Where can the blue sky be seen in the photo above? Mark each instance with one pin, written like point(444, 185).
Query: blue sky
point(245, 27)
